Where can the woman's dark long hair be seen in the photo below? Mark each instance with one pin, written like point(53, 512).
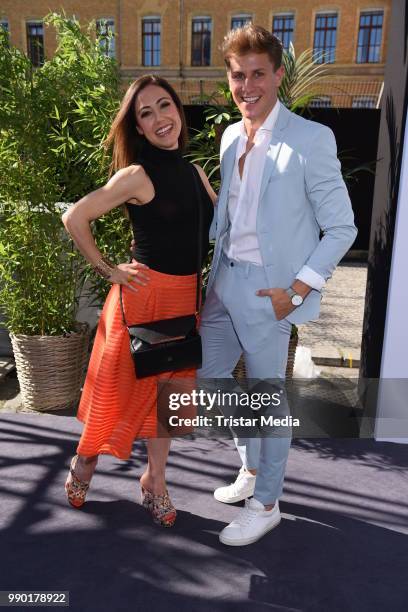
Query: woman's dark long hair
point(123, 136)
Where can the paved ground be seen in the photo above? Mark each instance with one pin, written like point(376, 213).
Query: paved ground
point(338, 330)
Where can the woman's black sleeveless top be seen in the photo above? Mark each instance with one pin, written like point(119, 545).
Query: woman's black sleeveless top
point(166, 228)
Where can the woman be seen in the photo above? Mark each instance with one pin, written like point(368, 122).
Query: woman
point(148, 136)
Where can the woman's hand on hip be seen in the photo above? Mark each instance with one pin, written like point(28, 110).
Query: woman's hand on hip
point(130, 274)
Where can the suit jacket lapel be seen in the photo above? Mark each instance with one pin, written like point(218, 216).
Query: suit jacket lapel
point(274, 148)
point(228, 167)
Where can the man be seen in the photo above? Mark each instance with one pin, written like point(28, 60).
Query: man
point(281, 188)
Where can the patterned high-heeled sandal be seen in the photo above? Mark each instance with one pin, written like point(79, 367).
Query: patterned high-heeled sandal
point(160, 507)
point(76, 489)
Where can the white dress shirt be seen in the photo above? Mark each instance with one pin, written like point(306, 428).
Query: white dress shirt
point(243, 197)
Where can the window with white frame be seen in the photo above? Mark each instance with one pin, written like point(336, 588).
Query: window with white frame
point(238, 21)
point(325, 34)
point(283, 26)
point(106, 29)
point(35, 42)
point(201, 41)
point(151, 34)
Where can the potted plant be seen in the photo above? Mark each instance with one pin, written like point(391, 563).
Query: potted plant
point(53, 120)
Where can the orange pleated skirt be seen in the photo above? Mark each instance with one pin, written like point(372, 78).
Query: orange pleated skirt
point(115, 406)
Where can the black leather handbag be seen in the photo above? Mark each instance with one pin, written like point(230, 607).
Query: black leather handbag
point(173, 344)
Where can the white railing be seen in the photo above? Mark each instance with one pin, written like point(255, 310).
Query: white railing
point(335, 93)
point(350, 93)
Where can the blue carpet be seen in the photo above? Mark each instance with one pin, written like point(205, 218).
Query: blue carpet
point(342, 543)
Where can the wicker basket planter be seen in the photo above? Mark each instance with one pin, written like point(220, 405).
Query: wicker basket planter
point(293, 342)
point(240, 371)
point(50, 369)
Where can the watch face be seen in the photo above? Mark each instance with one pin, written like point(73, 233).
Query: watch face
point(297, 300)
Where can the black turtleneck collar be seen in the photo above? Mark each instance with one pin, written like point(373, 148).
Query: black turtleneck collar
point(152, 153)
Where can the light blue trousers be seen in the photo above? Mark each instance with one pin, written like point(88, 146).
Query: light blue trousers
point(235, 321)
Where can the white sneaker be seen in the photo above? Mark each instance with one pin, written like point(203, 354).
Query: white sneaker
point(251, 524)
point(242, 488)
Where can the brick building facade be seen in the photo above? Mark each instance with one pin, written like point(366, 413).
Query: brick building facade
point(180, 39)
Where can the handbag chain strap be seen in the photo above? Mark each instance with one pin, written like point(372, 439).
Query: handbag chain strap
point(199, 248)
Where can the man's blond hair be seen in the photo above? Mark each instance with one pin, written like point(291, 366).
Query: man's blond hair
point(252, 39)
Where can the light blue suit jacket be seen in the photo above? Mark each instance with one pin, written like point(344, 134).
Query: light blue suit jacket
point(302, 194)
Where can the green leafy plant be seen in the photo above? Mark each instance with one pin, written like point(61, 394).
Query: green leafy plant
point(53, 121)
point(302, 76)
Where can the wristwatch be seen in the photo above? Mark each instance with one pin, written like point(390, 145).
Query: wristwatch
point(295, 298)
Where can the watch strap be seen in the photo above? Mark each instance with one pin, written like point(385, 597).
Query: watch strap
point(291, 292)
